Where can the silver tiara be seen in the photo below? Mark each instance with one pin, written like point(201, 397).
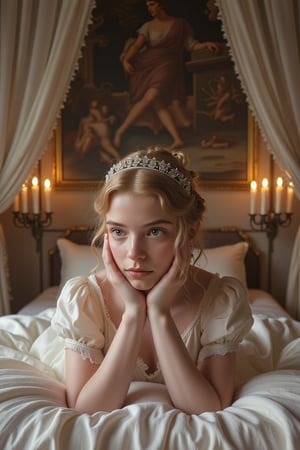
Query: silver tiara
point(137, 162)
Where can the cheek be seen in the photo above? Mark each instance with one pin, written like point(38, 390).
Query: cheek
point(165, 254)
point(116, 250)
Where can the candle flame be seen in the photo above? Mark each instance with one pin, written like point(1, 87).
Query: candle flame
point(265, 183)
point(253, 185)
point(35, 181)
point(47, 183)
point(279, 181)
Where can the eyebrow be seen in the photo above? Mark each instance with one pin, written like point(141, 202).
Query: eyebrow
point(150, 224)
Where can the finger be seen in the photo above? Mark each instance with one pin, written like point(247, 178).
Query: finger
point(107, 254)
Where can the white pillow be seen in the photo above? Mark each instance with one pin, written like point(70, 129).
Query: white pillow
point(227, 260)
point(75, 259)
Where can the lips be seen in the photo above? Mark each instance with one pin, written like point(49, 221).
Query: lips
point(137, 273)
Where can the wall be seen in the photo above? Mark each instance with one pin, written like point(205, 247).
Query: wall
point(224, 208)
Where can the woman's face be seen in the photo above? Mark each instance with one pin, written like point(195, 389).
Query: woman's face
point(154, 7)
point(141, 238)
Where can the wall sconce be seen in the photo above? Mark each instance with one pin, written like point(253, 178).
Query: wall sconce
point(35, 220)
point(272, 215)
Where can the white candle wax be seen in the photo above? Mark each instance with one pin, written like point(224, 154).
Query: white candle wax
point(278, 195)
point(290, 195)
point(17, 203)
point(47, 194)
point(264, 196)
point(35, 195)
point(253, 195)
point(24, 198)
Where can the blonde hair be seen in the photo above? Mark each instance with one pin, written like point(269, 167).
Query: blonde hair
point(187, 208)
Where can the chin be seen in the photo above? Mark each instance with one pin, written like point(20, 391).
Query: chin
point(142, 286)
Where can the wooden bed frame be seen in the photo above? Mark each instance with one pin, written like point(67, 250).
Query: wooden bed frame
point(212, 237)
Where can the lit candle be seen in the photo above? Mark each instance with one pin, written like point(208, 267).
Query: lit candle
point(24, 198)
point(253, 195)
point(17, 203)
point(35, 195)
point(47, 193)
point(290, 195)
point(278, 195)
point(264, 196)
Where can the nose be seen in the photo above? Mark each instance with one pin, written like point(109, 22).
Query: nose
point(136, 248)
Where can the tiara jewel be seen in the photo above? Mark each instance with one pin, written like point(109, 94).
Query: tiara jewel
point(137, 162)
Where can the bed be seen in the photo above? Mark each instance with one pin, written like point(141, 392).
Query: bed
point(265, 413)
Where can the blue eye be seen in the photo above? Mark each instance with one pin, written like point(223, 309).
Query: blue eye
point(156, 232)
point(117, 232)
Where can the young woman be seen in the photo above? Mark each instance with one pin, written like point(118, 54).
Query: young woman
point(150, 315)
point(154, 66)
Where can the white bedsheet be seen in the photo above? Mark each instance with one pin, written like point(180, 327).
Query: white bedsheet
point(46, 299)
point(264, 415)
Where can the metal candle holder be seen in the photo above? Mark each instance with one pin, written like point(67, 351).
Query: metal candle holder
point(35, 222)
point(269, 223)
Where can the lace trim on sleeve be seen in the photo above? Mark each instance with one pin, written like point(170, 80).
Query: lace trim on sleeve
point(94, 355)
point(217, 349)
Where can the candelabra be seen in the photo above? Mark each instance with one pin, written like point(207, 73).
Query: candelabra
point(35, 222)
point(269, 220)
point(269, 223)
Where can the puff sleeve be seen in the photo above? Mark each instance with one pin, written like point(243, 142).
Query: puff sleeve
point(225, 319)
point(79, 319)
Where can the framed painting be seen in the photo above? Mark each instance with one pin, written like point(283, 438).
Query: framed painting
point(205, 113)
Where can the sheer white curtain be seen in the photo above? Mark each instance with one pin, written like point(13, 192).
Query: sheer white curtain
point(293, 288)
point(40, 44)
point(264, 38)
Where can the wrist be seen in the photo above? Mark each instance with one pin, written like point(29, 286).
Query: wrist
point(134, 313)
point(156, 312)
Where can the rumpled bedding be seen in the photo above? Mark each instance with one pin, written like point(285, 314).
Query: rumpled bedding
point(265, 413)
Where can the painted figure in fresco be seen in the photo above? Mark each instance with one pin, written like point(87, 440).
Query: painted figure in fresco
point(94, 129)
point(154, 66)
point(220, 99)
point(221, 96)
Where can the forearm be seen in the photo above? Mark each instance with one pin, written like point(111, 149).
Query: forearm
point(107, 388)
point(211, 46)
point(134, 48)
point(189, 390)
point(132, 51)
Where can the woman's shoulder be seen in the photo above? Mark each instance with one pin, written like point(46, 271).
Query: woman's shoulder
point(225, 296)
point(78, 290)
point(80, 298)
point(78, 282)
point(145, 28)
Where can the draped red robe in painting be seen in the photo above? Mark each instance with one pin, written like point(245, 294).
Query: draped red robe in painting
point(161, 67)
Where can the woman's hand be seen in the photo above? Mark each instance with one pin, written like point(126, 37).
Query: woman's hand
point(132, 298)
point(162, 295)
point(128, 68)
point(212, 46)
